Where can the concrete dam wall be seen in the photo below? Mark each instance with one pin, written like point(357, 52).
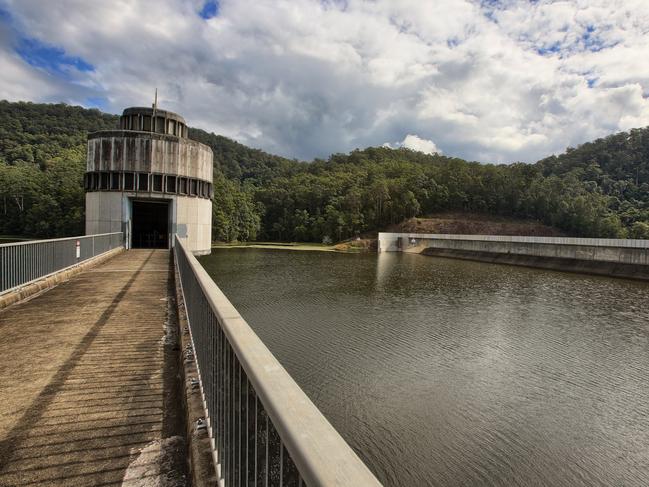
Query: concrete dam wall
point(611, 257)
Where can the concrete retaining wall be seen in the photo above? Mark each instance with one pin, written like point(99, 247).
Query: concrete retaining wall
point(615, 257)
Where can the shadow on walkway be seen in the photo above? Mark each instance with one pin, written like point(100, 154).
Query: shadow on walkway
point(86, 380)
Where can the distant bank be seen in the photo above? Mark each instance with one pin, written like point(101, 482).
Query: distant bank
point(610, 257)
point(458, 223)
point(342, 247)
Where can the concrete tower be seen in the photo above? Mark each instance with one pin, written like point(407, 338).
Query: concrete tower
point(150, 181)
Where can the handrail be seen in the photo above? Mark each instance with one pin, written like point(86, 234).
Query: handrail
point(30, 242)
point(595, 242)
point(22, 263)
point(320, 455)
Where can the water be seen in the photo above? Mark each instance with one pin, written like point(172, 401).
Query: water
point(448, 372)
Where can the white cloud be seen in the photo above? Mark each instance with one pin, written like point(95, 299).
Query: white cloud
point(416, 143)
point(493, 81)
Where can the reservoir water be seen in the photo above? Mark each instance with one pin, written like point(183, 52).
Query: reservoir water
point(456, 373)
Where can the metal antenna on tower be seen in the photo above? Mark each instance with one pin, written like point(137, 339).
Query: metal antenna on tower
point(155, 108)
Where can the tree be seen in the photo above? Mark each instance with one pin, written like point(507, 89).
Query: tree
point(234, 213)
point(640, 230)
point(598, 189)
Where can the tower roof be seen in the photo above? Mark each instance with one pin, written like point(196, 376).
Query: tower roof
point(154, 120)
point(149, 111)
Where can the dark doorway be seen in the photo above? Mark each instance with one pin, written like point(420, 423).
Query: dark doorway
point(150, 225)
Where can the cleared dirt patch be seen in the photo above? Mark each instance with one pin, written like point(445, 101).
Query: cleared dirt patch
point(474, 224)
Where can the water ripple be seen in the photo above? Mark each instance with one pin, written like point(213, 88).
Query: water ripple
point(445, 372)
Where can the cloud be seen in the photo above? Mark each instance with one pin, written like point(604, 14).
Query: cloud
point(491, 81)
point(416, 143)
point(23, 76)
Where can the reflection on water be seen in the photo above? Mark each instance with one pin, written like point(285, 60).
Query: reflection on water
point(449, 372)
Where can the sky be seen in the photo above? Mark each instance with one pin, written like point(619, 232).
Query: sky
point(488, 80)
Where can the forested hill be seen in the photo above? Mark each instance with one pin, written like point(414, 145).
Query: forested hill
point(598, 189)
point(36, 133)
point(619, 157)
point(617, 166)
point(42, 161)
point(237, 161)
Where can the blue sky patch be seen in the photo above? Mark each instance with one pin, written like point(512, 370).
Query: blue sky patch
point(489, 8)
point(340, 5)
point(591, 42)
point(549, 50)
point(594, 43)
point(50, 58)
point(4, 15)
point(491, 4)
point(41, 55)
point(210, 9)
point(99, 102)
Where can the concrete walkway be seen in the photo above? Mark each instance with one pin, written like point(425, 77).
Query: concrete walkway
point(86, 381)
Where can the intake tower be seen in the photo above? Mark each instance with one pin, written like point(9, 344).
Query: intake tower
point(149, 180)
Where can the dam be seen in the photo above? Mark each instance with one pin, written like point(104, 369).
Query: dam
point(611, 257)
point(318, 368)
point(96, 391)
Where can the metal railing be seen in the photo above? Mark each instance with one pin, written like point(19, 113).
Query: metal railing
point(593, 242)
point(24, 262)
point(264, 429)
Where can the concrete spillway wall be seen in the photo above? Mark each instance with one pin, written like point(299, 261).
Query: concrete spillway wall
point(613, 257)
